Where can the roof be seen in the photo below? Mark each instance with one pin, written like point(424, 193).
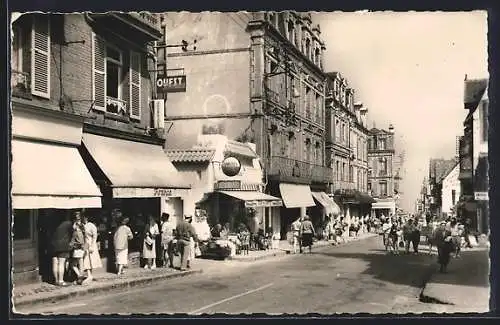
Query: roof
point(376, 131)
point(439, 168)
point(190, 155)
point(474, 90)
point(240, 149)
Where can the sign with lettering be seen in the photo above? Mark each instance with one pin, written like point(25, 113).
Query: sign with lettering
point(231, 166)
point(171, 84)
point(228, 185)
point(134, 192)
point(263, 203)
point(481, 196)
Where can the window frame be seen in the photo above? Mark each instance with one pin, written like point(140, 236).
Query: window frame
point(120, 70)
point(32, 217)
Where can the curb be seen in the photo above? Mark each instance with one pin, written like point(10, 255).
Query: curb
point(105, 287)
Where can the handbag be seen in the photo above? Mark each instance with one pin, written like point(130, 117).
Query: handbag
point(149, 241)
point(78, 253)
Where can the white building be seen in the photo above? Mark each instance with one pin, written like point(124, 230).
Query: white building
point(450, 192)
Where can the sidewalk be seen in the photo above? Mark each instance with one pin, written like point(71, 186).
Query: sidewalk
point(31, 294)
point(465, 285)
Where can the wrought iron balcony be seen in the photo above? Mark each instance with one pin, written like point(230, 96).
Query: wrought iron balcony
point(283, 168)
point(20, 83)
point(116, 106)
point(342, 185)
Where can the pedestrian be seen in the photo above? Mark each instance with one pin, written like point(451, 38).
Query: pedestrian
point(386, 227)
point(415, 237)
point(149, 243)
point(61, 250)
point(392, 238)
point(295, 228)
point(120, 240)
point(91, 260)
point(184, 231)
point(444, 246)
point(78, 246)
point(167, 237)
point(407, 233)
point(192, 244)
point(254, 229)
point(455, 237)
point(307, 233)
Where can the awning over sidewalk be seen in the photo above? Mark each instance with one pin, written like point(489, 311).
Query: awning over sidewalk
point(364, 198)
point(329, 205)
point(296, 195)
point(254, 199)
point(135, 169)
point(46, 175)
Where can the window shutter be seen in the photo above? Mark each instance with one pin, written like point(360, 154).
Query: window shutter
point(135, 85)
point(98, 72)
point(40, 56)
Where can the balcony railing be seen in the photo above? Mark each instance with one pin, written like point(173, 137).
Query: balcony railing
point(343, 185)
point(116, 106)
point(20, 84)
point(287, 168)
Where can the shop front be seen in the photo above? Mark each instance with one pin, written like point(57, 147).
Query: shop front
point(138, 180)
point(49, 180)
point(296, 199)
point(383, 207)
point(326, 206)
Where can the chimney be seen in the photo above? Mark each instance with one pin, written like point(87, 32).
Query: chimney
point(391, 128)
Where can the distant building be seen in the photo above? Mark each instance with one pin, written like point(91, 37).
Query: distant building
point(450, 191)
point(438, 169)
point(381, 177)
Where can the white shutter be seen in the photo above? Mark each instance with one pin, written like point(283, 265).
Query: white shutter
point(98, 72)
point(135, 85)
point(40, 56)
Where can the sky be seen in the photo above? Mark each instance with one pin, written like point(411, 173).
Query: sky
point(408, 69)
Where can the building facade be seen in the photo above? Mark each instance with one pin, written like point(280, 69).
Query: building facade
point(450, 192)
point(347, 148)
point(474, 156)
point(438, 169)
point(264, 84)
point(84, 81)
point(381, 179)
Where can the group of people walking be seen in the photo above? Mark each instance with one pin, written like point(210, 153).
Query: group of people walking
point(397, 233)
point(303, 234)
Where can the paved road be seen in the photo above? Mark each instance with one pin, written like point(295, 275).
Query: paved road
point(358, 277)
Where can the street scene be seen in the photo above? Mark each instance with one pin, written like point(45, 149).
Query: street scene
point(249, 163)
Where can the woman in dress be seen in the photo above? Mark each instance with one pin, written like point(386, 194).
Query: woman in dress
point(120, 240)
point(149, 243)
point(307, 233)
point(91, 260)
point(79, 246)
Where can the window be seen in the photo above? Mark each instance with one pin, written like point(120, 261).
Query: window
point(317, 57)
point(351, 174)
point(114, 84)
point(307, 103)
point(369, 187)
point(308, 48)
point(337, 171)
point(344, 175)
point(484, 122)
point(23, 226)
point(382, 144)
point(383, 188)
point(337, 130)
point(291, 32)
point(31, 47)
point(453, 197)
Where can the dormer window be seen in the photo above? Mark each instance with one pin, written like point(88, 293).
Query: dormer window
point(291, 32)
point(317, 57)
point(308, 48)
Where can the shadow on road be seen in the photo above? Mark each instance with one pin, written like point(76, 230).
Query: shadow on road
point(408, 270)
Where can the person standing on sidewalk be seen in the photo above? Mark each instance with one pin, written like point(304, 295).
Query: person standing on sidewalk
point(415, 236)
point(79, 247)
point(307, 233)
point(167, 237)
point(120, 240)
point(149, 243)
point(455, 237)
point(61, 250)
point(91, 260)
point(184, 231)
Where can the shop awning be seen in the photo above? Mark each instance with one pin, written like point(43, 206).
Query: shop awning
point(364, 198)
point(254, 199)
point(296, 195)
point(329, 205)
point(135, 169)
point(48, 175)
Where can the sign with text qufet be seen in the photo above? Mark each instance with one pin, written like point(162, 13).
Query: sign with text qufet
point(171, 84)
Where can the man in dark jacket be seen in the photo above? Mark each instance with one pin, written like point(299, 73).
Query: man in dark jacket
point(184, 231)
point(60, 249)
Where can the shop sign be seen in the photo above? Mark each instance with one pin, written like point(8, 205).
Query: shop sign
point(171, 84)
point(134, 192)
point(263, 203)
point(481, 196)
point(231, 166)
point(228, 185)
